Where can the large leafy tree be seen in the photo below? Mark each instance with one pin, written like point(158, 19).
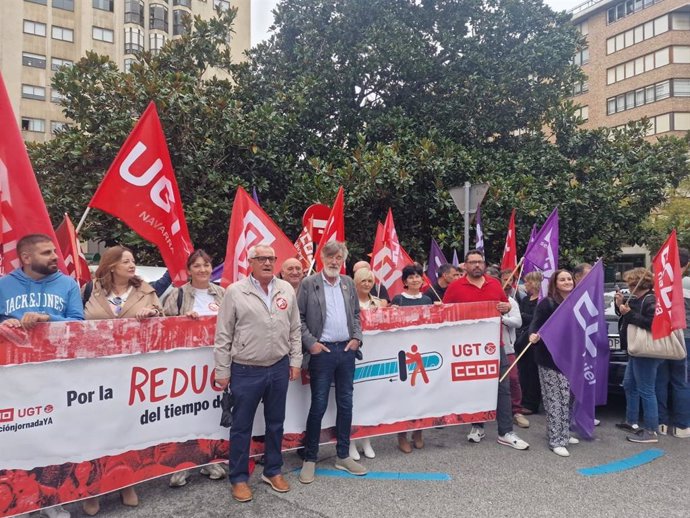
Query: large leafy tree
point(396, 100)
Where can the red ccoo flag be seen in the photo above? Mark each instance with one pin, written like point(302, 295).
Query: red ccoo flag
point(141, 190)
point(76, 264)
point(509, 260)
point(335, 227)
point(21, 204)
point(668, 286)
point(389, 258)
point(305, 247)
point(250, 226)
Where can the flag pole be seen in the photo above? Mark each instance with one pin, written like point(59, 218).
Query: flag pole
point(512, 274)
point(515, 362)
point(81, 221)
point(311, 267)
point(440, 299)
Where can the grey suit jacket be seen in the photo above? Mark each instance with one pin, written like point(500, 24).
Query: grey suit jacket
point(312, 308)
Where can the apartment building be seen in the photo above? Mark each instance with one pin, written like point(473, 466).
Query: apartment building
point(39, 36)
point(637, 62)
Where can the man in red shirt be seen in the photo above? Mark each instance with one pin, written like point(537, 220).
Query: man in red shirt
point(477, 287)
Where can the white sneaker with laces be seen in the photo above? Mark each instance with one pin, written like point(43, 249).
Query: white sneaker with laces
point(561, 451)
point(353, 450)
point(213, 471)
point(476, 434)
point(573, 440)
point(179, 479)
point(681, 433)
point(597, 422)
point(511, 439)
point(368, 450)
point(663, 429)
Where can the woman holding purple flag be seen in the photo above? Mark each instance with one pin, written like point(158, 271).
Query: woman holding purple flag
point(639, 381)
point(555, 388)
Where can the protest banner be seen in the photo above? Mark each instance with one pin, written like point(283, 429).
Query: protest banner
point(91, 407)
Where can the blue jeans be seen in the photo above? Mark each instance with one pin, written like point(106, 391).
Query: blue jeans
point(644, 374)
point(632, 397)
point(250, 385)
point(675, 373)
point(325, 368)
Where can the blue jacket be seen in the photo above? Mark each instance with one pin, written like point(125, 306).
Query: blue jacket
point(55, 294)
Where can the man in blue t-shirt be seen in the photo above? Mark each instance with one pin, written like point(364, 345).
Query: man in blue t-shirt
point(38, 292)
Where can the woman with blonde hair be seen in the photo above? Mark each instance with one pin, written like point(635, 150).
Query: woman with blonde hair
point(117, 292)
point(639, 381)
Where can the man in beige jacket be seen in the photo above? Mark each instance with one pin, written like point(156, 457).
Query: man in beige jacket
point(257, 349)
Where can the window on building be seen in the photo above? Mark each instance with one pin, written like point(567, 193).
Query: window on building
point(103, 5)
point(639, 97)
point(680, 21)
point(33, 60)
point(663, 90)
point(158, 18)
point(56, 63)
point(134, 12)
point(101, 34)
point(67, 5)
point(660, 25)
point(34, 92)
point(681, 87)
point(156, 42)
point(29, 124)
point(134, 40)
point(184, 3)
point(221, 5)
point(128, 64)
point(56, 96)
point(178, 22)
point(42, 2)
point(583, 112)
point(681, 121)
point(663, 123)
point(56, 126)
point(35, 28)
point(62, 33)
point(681, 54)
point(611, 106)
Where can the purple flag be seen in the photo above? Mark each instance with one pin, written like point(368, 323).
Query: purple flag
point(255, 196)
point(436, 259)
point(528, 266)
point(577, 338)
point(479, 242)
point(543, 253)
point(456, 261)
point(217, 273)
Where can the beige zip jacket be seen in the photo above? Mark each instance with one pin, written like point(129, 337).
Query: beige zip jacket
point(249, 333)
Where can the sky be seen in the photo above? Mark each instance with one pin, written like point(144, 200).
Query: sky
point(262, 18)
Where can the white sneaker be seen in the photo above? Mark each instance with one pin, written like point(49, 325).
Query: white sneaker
point(213, 471)
point(368, 450)
point(179, 479)
point(561, 451)
point(55, 512)
point(521, 420)
point(476, 434)
point(573, 440)
point(663, 429)
point(353, 450)
point(511, 439)
point(681, 433)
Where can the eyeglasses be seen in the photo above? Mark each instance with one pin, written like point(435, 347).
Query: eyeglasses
point(474, 262)
point(117, 303)
point(265, 259)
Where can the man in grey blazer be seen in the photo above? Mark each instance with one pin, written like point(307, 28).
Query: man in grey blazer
point(331, 333)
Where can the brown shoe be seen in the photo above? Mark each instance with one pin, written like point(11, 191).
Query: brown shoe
point(91, 506)
point(241, 492)
point(129, 497)
point(403, 443)
point(277, 483)
point(417, 439)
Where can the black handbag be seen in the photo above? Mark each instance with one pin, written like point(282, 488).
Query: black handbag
point(227, 401)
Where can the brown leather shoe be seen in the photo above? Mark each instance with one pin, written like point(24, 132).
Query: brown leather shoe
point(403, 443)
point(277, 483)
point(241, 492)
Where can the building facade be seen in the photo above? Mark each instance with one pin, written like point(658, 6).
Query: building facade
point(637, 64)
point(39, 36)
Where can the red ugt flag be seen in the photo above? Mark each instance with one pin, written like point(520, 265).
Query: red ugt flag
point(509, 260)
point(668, 286)
point(251, 226)
point(21, 203)
point(141, 190)
point(305, 247)
point(76, 264)
point(335, 227)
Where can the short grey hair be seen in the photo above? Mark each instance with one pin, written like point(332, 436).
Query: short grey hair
point(251, 253)
point(333, 248)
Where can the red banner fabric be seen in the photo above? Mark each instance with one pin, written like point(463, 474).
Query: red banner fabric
point(668, 287)
point(335, 227)
point(509, 260)
point(140, 189)
point(76, 264)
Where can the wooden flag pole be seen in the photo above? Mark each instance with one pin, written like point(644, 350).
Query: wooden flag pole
point(81, 221)
point(512, 275)
point(515, 362)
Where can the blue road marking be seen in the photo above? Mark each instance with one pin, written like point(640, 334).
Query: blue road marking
point(623, 464)
point(387, 475)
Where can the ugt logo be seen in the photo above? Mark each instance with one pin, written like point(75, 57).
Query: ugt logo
point(6, 415)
